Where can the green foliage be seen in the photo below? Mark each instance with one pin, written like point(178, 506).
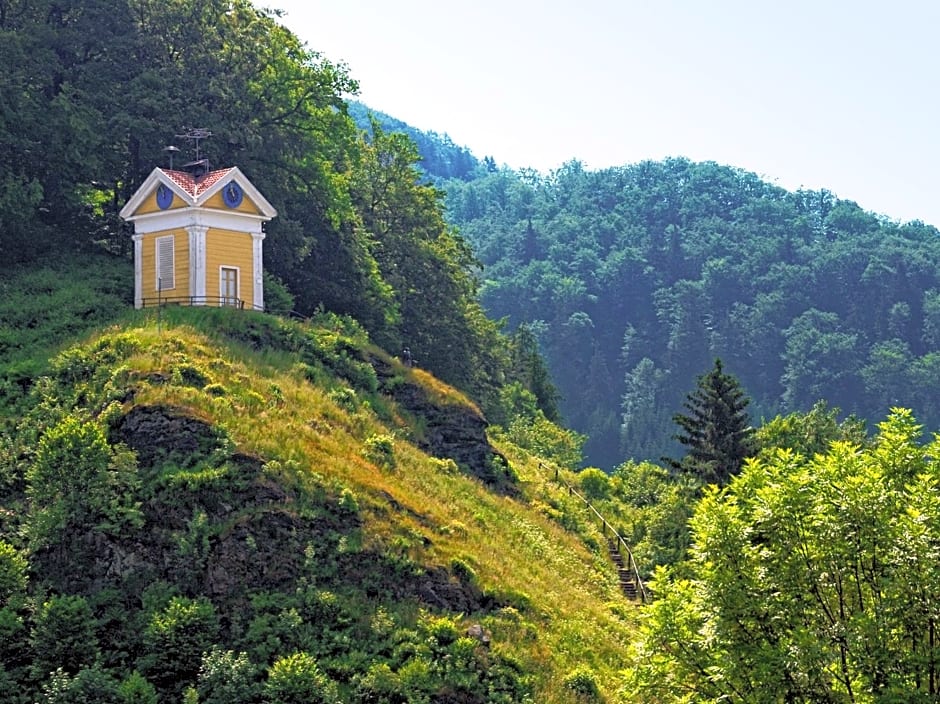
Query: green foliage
point(661, 507)
point(277, 298)
point(427, 266)
point(637, 276)
point(297, 679)
point(89, 685)
point(809, 433)
point(76, 481)
point(63, 636)
point(227, 678)
point(137, 690)
point(175, 639)
point(380, 451)
point(594, 483)
point(810, 579)
point(43, 305)
point(13, 568)
point(581, 681)
point(717, 430)
point(439, 661)
point(547, 440)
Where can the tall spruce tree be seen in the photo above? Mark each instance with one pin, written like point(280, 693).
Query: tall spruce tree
point(717, 429)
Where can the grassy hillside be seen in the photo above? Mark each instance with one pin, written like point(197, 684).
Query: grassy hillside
point(181, 489)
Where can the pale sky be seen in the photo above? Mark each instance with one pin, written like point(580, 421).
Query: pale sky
point(831, 94)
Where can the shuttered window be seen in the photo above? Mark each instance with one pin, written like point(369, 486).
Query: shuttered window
point(166, 271)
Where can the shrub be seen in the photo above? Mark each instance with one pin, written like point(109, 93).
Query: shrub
point(215, 389)
point(77, 481)
point(190, 375)
point(137, 690)
point(277, 298)
point(594, 483)
point(13, 568)
point(227, 678)
point(89, 685)
point(380, 685)
point(345, 398)
point(444, 465)
point(581, 681)
point(297, 679)
point(175, 640)
point(380, 451)
point(465, 573)
point(63, 636)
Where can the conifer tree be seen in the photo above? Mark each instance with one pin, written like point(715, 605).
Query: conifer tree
point(716, 430)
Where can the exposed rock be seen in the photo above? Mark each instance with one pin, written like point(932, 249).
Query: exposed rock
point(477, 633)
point(450, 431)
point(157, 432)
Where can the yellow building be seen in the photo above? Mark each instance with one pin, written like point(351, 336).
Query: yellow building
point(197, 239)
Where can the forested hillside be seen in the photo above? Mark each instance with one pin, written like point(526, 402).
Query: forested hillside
point(636, 278)
point(208, 505)
point(96, 90)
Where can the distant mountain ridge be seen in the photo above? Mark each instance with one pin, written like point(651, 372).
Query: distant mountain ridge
point(637, 277)
point(441, 158)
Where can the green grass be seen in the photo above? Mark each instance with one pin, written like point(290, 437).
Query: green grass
point(303, 399)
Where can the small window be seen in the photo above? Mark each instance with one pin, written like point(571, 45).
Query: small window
point(166, 270)
point(228, 286)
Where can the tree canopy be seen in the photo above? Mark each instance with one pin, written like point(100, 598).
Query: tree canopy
point(97, 89)
point(810, 578)
point(639, 276)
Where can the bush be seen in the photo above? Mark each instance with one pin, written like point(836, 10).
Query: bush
point(227, 678)
point(13, 568)
point(581, 681)
point(297, 679)
point(136, 690)
point(89, 685)
point(277, 299)
point(594, 483)
point(63, 636)
point(380, 685)
point(380, 451)
point(77, 481)
point(175, 640)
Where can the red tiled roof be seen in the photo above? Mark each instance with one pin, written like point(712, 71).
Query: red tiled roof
point(185, 180)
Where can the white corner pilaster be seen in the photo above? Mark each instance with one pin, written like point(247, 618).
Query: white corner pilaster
point(257, 270)
point(138, 270)
point(197, 263)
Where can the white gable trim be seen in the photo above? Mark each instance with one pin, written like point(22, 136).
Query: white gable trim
point(158, 176)
point(252, 193)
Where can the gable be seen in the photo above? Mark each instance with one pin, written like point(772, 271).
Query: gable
point(224, 190)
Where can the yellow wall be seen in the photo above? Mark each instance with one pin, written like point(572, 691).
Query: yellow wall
point(180, 265)
point(231, 249)
point(150, 204)
point(218, 202)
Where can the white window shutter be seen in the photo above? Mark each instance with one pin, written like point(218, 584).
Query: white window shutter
point(166, 271)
